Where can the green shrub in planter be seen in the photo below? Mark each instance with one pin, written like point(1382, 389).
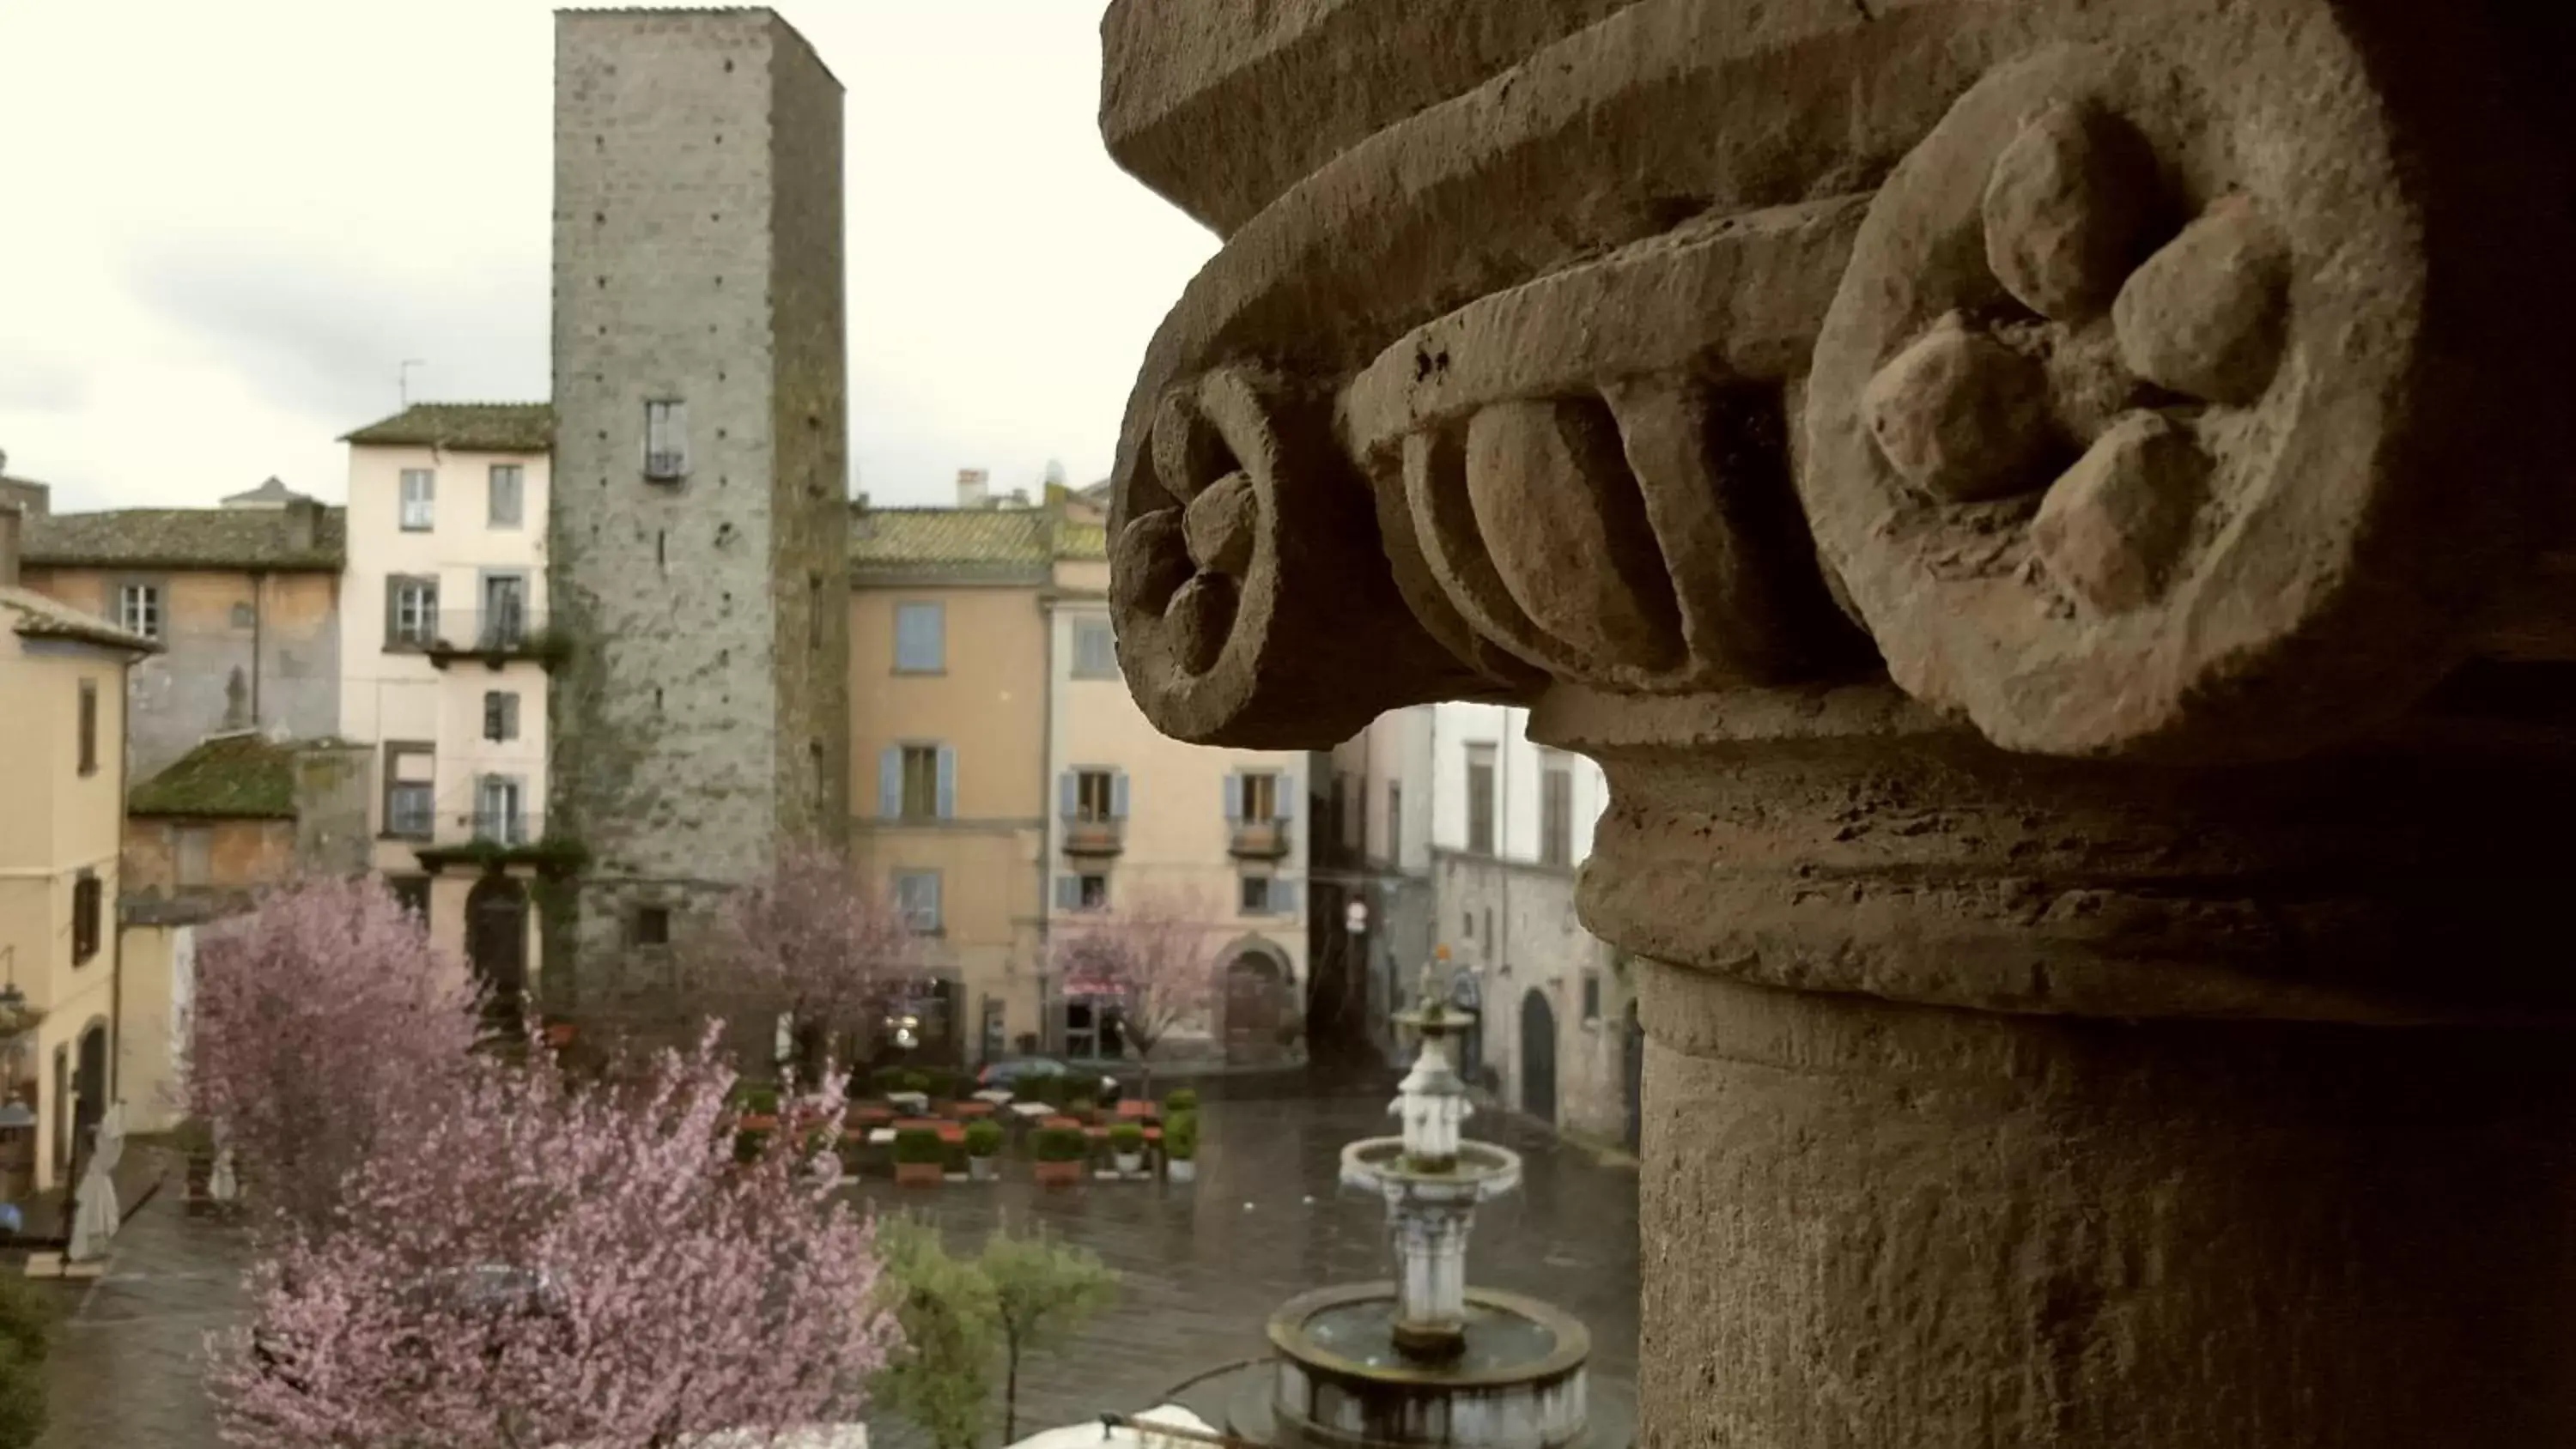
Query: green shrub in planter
point(919, 1144)
point(888, 1080)
point(1181, 1136)
point(1061, 1144)
point(913, 1082)
point(1049, 1089)
point(1127, 1138)
point(1082, 1106)
point(1183, 1100)
point(983, 1139)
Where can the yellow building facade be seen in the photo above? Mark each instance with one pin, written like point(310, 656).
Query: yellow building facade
point(63, 679)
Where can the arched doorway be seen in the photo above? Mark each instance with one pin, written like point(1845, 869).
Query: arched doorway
point(496, 944)
point(89, 1091)
point(1256, 1006)
point(1635, 1065)
point(1538, 1056)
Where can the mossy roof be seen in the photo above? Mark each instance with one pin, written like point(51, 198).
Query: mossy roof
point(189, 538)
point(240, 776)
point(465, 428)
point(978, 540)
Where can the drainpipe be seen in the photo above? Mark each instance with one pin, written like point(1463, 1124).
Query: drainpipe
point(258, 640)
point(1048, 824)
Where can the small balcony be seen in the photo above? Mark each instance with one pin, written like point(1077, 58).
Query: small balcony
point(1260, 839)
point(494, 636)
point(1085, 835)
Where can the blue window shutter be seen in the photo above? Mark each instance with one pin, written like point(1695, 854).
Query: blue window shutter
point(1118, 796)
point(1285, 790)
point(890, 782)
point(1283, 896)
point(947, 783)
point(936, 919)
point(1234, 795)
point(1068, 793)
point(1068, 892)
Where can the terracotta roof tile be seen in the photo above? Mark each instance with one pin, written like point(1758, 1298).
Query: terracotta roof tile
point(465, 428)
point(189, 538)
point(42, 618)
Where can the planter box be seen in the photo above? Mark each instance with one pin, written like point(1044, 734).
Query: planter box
point(1182, 1169)
point(982, 1169)
point(919, 1174)
point(1058, 1174)
point(1128, 1164)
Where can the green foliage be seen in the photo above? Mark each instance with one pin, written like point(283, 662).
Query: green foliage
point(755, 1099)
point(1183, 1100)
point(983, 1139)
point(1050, 1089)
point(1181, 1136)
point(888, 1080)
point(26, 1320)
point(1043, 1292)
point(919, 1144)
point(1083, 1105)
point(749, 1144)
point(912, 1081)
point(1061, 1144)
point(1127, 1137)
point(942, 1378)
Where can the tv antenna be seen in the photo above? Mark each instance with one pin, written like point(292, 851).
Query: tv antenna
point(402, 378)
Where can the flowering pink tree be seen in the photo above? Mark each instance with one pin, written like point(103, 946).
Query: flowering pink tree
point(1152, 953)
point(807, 942)
point(550, 1265)
point(316, 1017)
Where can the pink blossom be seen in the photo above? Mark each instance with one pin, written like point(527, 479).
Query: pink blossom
point(809, 942)
point(316, 1016)
point(1155, 952)
point(542, 1264)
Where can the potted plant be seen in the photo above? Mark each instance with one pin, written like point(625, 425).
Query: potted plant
point(1127, 1148)
point(911, 1091)
point(983, 1146)
point(1181, 1101)
point(1060, 1152)
point(1082, 1106)
point(920, 1158)
point(1181, 1147)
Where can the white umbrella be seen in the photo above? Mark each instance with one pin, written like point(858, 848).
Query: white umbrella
point(1092, 1436)
point(95, 1220)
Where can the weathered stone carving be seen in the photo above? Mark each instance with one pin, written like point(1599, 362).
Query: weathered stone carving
point(1233, 576)
point(2194, 333)
point(2172, 392)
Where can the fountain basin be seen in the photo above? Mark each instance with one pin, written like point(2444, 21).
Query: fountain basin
point(1473, 1174)
point(1342, 1380)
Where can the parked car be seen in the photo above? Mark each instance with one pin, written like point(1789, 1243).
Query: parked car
point(1007, 1074)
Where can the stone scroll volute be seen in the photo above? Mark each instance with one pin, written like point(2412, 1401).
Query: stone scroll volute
point(2098, 362)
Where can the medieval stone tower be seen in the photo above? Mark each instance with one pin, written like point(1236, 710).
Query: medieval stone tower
point(699, 526)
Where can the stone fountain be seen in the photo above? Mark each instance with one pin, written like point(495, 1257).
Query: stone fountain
point(1425, 1359)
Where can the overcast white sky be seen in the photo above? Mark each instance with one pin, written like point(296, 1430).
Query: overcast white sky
point(224, 225)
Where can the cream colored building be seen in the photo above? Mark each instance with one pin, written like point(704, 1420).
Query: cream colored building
point(63, 676)
point(1140, 817)
point(948, 711)
point(444, 651)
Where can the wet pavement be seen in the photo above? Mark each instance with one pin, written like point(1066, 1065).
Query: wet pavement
point(1203, 1265)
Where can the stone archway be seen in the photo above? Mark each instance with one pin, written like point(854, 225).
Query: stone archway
point(1538, 1056)
point(1256, 1004)
point(496, 944)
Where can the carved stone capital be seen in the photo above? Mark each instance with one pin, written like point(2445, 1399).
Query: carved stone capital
point(2142, 378)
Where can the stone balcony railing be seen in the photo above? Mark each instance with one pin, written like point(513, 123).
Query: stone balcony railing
point(1083, 836)
point(1260, 839)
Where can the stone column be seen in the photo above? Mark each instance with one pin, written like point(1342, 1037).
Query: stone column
point(2050, 515)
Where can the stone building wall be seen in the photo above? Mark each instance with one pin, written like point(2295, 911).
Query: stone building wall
point(1513, 927)
point(703, 713)
point(242, 650)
